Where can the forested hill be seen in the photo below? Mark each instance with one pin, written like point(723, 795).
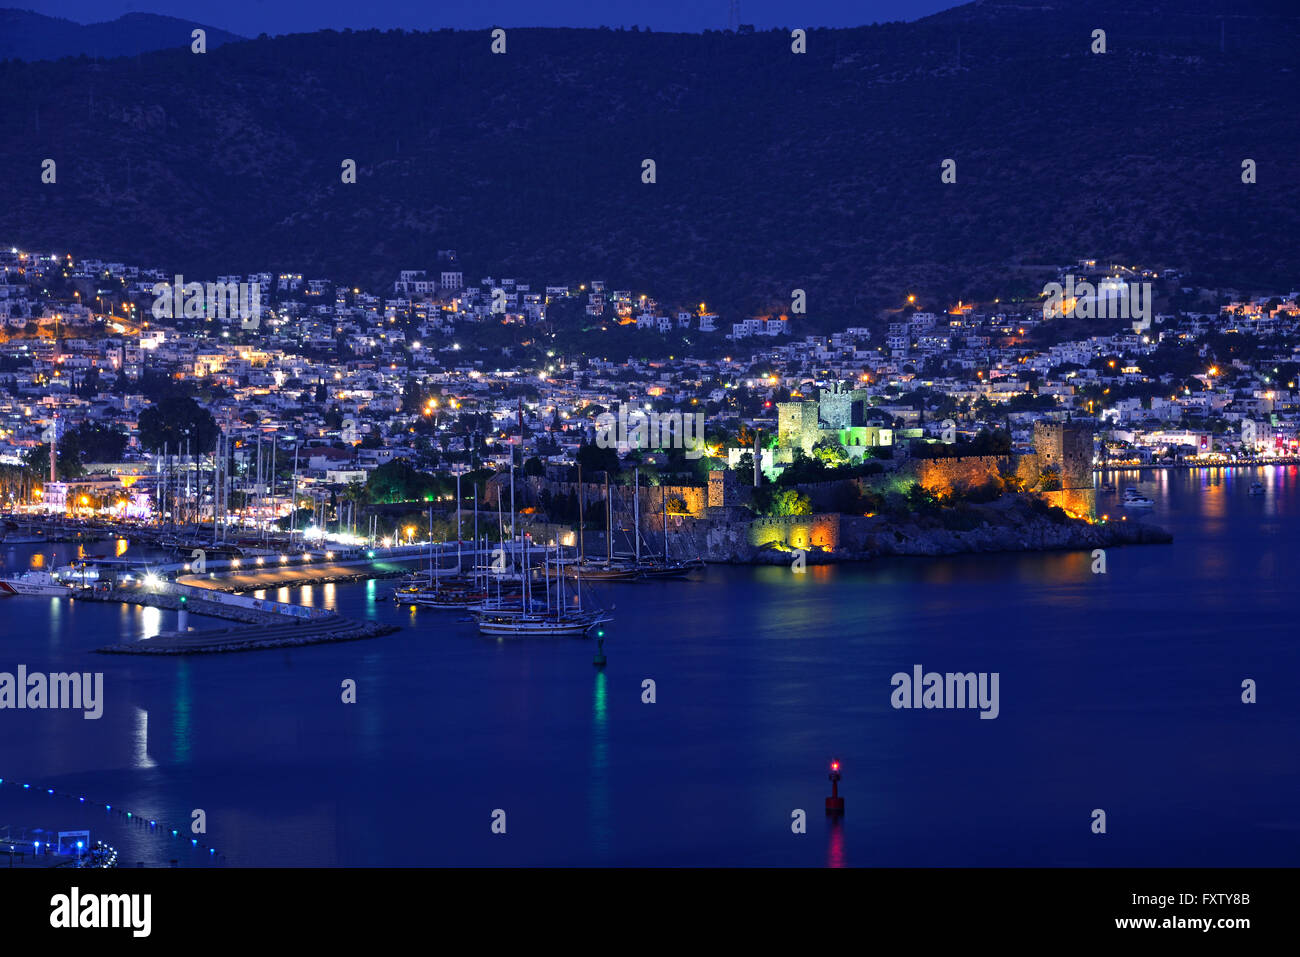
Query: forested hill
point(774, 170)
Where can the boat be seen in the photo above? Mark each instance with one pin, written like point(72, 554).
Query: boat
point(33, 583)
point(1256, 488)
point(668, 569)
point(533, 617)
point(1108, 487)
point(602, 571)
point(538, 626)
point(626, 567)
point(449, 599)
point(20, 538)
point(1132, 499)
point(648, 566)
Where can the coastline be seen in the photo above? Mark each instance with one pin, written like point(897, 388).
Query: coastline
point(1009, 524)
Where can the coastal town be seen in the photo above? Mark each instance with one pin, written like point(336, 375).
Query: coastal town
point(319, 397)
point(520, 436)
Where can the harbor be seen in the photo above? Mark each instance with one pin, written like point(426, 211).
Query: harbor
point(755, 676)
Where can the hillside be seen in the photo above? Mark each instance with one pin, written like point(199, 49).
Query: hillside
point(775, 171)
point(26, 35)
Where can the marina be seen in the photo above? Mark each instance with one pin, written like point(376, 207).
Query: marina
point(756, 680)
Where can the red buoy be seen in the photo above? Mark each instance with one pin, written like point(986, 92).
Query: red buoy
point(835, 803)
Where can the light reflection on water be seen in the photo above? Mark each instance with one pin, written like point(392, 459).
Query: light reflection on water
point(1110, 686)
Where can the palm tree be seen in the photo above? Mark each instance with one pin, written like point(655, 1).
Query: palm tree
point(356, 492)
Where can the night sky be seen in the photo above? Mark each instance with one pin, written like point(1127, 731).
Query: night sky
point(251, 17)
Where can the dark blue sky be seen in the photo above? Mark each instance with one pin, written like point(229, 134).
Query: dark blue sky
point(251, 17)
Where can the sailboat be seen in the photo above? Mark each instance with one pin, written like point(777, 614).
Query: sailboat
point(553, 619)
point(609, 570)
point(653, 567)
point(453, 590)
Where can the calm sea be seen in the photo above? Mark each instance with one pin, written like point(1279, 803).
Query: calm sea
point(1118, 691)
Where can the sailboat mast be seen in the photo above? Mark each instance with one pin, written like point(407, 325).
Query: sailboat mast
point(293, 503)
point(636, 513)
point(459, 529)
point(580, 496)
point(609, 526)
point(665, 498)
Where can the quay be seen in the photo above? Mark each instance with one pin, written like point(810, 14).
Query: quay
point(197, 604)
point(1186, 466)
point(261, 623)
point(232, 580)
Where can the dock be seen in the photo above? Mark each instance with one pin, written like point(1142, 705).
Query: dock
point(294, 576)
point(194, 604)
point(262, 623)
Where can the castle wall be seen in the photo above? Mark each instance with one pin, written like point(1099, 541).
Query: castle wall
point(796, 531)
point(528, 491)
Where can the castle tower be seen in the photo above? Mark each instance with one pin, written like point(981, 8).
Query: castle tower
point(1067, 447)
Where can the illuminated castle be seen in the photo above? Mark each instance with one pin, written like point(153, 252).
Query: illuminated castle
point(839, 414)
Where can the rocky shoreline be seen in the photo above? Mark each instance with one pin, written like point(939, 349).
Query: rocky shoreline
point(1010, 524)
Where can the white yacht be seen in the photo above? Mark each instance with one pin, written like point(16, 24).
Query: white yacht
point(1132, 499)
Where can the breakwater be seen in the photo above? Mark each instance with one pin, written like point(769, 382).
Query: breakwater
point(286, 634)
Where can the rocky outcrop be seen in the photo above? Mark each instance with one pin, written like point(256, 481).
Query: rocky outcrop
point(1011, 524)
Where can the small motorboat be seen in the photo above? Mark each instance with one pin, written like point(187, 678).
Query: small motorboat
point(1132, 499)
point(1256, 488)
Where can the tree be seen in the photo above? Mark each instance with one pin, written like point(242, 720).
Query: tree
point(92, 442)
point(168, 421)
point(803, 468)
point(918, 498)
point(37, 463)
point(593, 459)
point(356, 492)
point(745, 468)
point(789, 502)
point(830, 453)
point(398, 481)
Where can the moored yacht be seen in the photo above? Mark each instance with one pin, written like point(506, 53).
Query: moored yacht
point(1132, 499)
